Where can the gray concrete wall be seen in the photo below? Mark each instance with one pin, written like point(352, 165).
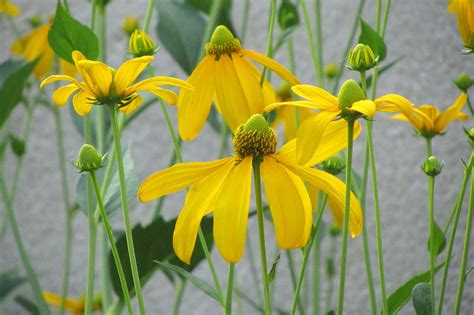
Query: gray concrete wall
point(422, 32)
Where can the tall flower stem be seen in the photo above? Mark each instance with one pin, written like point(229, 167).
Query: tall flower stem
point(179, 296)
point(261, 236)
point(428, 147)
point(306, 252)
point(149, 13)
point(345, 230)
point(431, 187)
point(211, 24)
point(457, 211)
point(230, 289)
point(312, 46)
point(126, 216)
point(465, 253)
point(271, 27)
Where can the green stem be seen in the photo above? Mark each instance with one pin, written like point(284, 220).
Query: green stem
point(205, 248)
point(306, 252)
point(319, 39)
point(271, 27)
point(428, 147)
point(149, 13)
point(126, 215)
point(179, 296)
point(364, 82)
point(332, 254)
point(211, 24)
point(110, 234)
point(245, 15)
point(261, 237)
point(294, 280)
point(345, 230)
point(469, 105)
point(230, 289)
point(431, 187)
point(378, 16)
point(253, 267)
point(465, 253)
point(385, 18)
point(317, 276)
point(458, 206)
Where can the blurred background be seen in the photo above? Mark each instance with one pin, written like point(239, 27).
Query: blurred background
point(420, 32)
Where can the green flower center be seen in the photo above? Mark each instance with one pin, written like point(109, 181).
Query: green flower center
point(350, 93)
point(255, 138)
point(222, 42)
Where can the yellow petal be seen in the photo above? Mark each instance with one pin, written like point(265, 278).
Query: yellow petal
point(54, 78)
point(82, 103)
point(335, 189)
point(394, 103)
point(44, 64)
point(310, 134)
point(154, 82)
point(168, 96)
point(89, 85)
point(365, 107)
point(231, 212)
point(129, 72)
point(61, 95)
point(70, 304)
point(303, 104)
point(271, 64)
point(99, 73)
point(67, 68)
point(176, 178)
point(289, 204)
point(451, 113)
point(130, 108)
point(198, 202)
point(12, 10)
point(286, 115)
point(322, 98)
point(194, 106)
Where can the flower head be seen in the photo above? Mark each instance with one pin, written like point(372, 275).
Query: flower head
point(464, 10)
point(130, 24)
point(429, 121)
point(224, 187)
point(104, 85)
point(227, 77)
point(141, 44)
point(8, 8)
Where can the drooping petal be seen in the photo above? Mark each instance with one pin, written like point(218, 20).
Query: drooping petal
point(168, 96)
point(129, 71)
point(451, 113)
point(231, 211)
point(394, 103)
point(61, 95)
point(271, 64)
point(44, 64)
point(151, 83)
point(365, 107)
point(89, 85)
point(99, 73)
point(194, 106)
point(176, 177)
point(289, 204)
point(335, 189)
point(82, 102)
point(130, 108)
point(198, 202)
point(323, 99)
point(54, 78)
point(303, 104)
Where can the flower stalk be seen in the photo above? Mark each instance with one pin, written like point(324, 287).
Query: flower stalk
point(230, 289)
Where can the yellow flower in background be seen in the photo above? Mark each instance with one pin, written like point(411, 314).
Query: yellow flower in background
point(8, 8)
point(35, 44)
point(130, 24)
point(76, 307)
point(227, 77)
point(104, 85)
point(429, 121)
point(224, 187)
point(351, 100)
point(464, 10)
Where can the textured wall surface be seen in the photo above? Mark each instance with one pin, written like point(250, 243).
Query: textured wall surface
point(421, 32)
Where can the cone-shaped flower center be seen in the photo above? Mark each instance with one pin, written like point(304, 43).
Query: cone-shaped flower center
point(255, 138)
point(222, 42)
point(350, 93)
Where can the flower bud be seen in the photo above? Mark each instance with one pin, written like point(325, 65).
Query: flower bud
point(35, 21)
point(331, 71)
point(463, 81)
point(432, 166)
point(334, 230)
point(141, 44)
point(130, 24)
point(17, 145)
point(362, 58)
point(283, 93)
point(89, 159)
point(470, 136)
point(334, 165)
point(350, 93)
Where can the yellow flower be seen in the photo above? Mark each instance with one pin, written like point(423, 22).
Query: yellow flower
point(76, 307)
point(35, 44)
point(464, 10)
point(130, 24)
point(8, 8)
point(351, 100)
point(429, 121)
point(103, 85)
point(224, 186)
point(227, 77)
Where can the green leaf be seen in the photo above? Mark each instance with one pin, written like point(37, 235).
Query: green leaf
point(421, 298)
point(370, 37)
point(439, 240)
point(272, 272)
point(402, 295)
point(288, 15)
point(27, 304)
point(13, 77)
point(180, 29)
point(67, 34)
point(199, 283)
point(112, 201)
point(10, 283)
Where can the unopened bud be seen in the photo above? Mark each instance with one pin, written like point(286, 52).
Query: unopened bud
point(35, 21)
point(17, 145)
point(141, 44)
point(334, 165)
point(334, 230)
point(331, 71)
point(463, 81)
point(432, 166)
point(362, 58)
point(89, 159)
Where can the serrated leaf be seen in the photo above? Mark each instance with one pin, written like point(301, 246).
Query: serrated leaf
point(287, 15)
point(370, 37)
point(421, 298)
point(272, 272)
point(67, 34)
point(10, 283)
point(439, 240)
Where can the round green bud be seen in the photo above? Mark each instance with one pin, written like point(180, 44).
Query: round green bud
point(130, 24)
point(222, 42)
point(334, 165)
point(141, 44)
point(17, 145)
point(255, 138)
point(432, 166)
point(334, 230)
point(89, 159)
point(362, 58)
point(284, 92)
point(330, 267)
point(463, 81)
point(35, 21)
point(331, 70)
point(350, 93)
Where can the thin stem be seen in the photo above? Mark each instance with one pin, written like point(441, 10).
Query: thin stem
point(385, 18)
point(179, 296)
point(306, 252)
point(253, 267)
point(126, 215)
point(211, 24)
point(245, 15)
point(459, 202)
point(261, 237)
point(230, 289)
point(431, 187)
point(364, 82)
point(465, 253)
point(149, 13)
point(317, 276)
point(332, 254)
point(319, 38)
point(469, 105)
point(269, 47)
point(205, 248)
point(378, 16)
point(428, 147)
point(110, 234)
point(345, 230)
point(291, 265)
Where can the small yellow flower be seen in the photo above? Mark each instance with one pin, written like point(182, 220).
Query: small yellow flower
point(351, 100)
point(464, 10)
point(227, 77)
point(76, 307)
point(130, 24)
point(35, 44)
point(103, 85)
point(429, 121)
point(224, 187)
point(8, 8)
